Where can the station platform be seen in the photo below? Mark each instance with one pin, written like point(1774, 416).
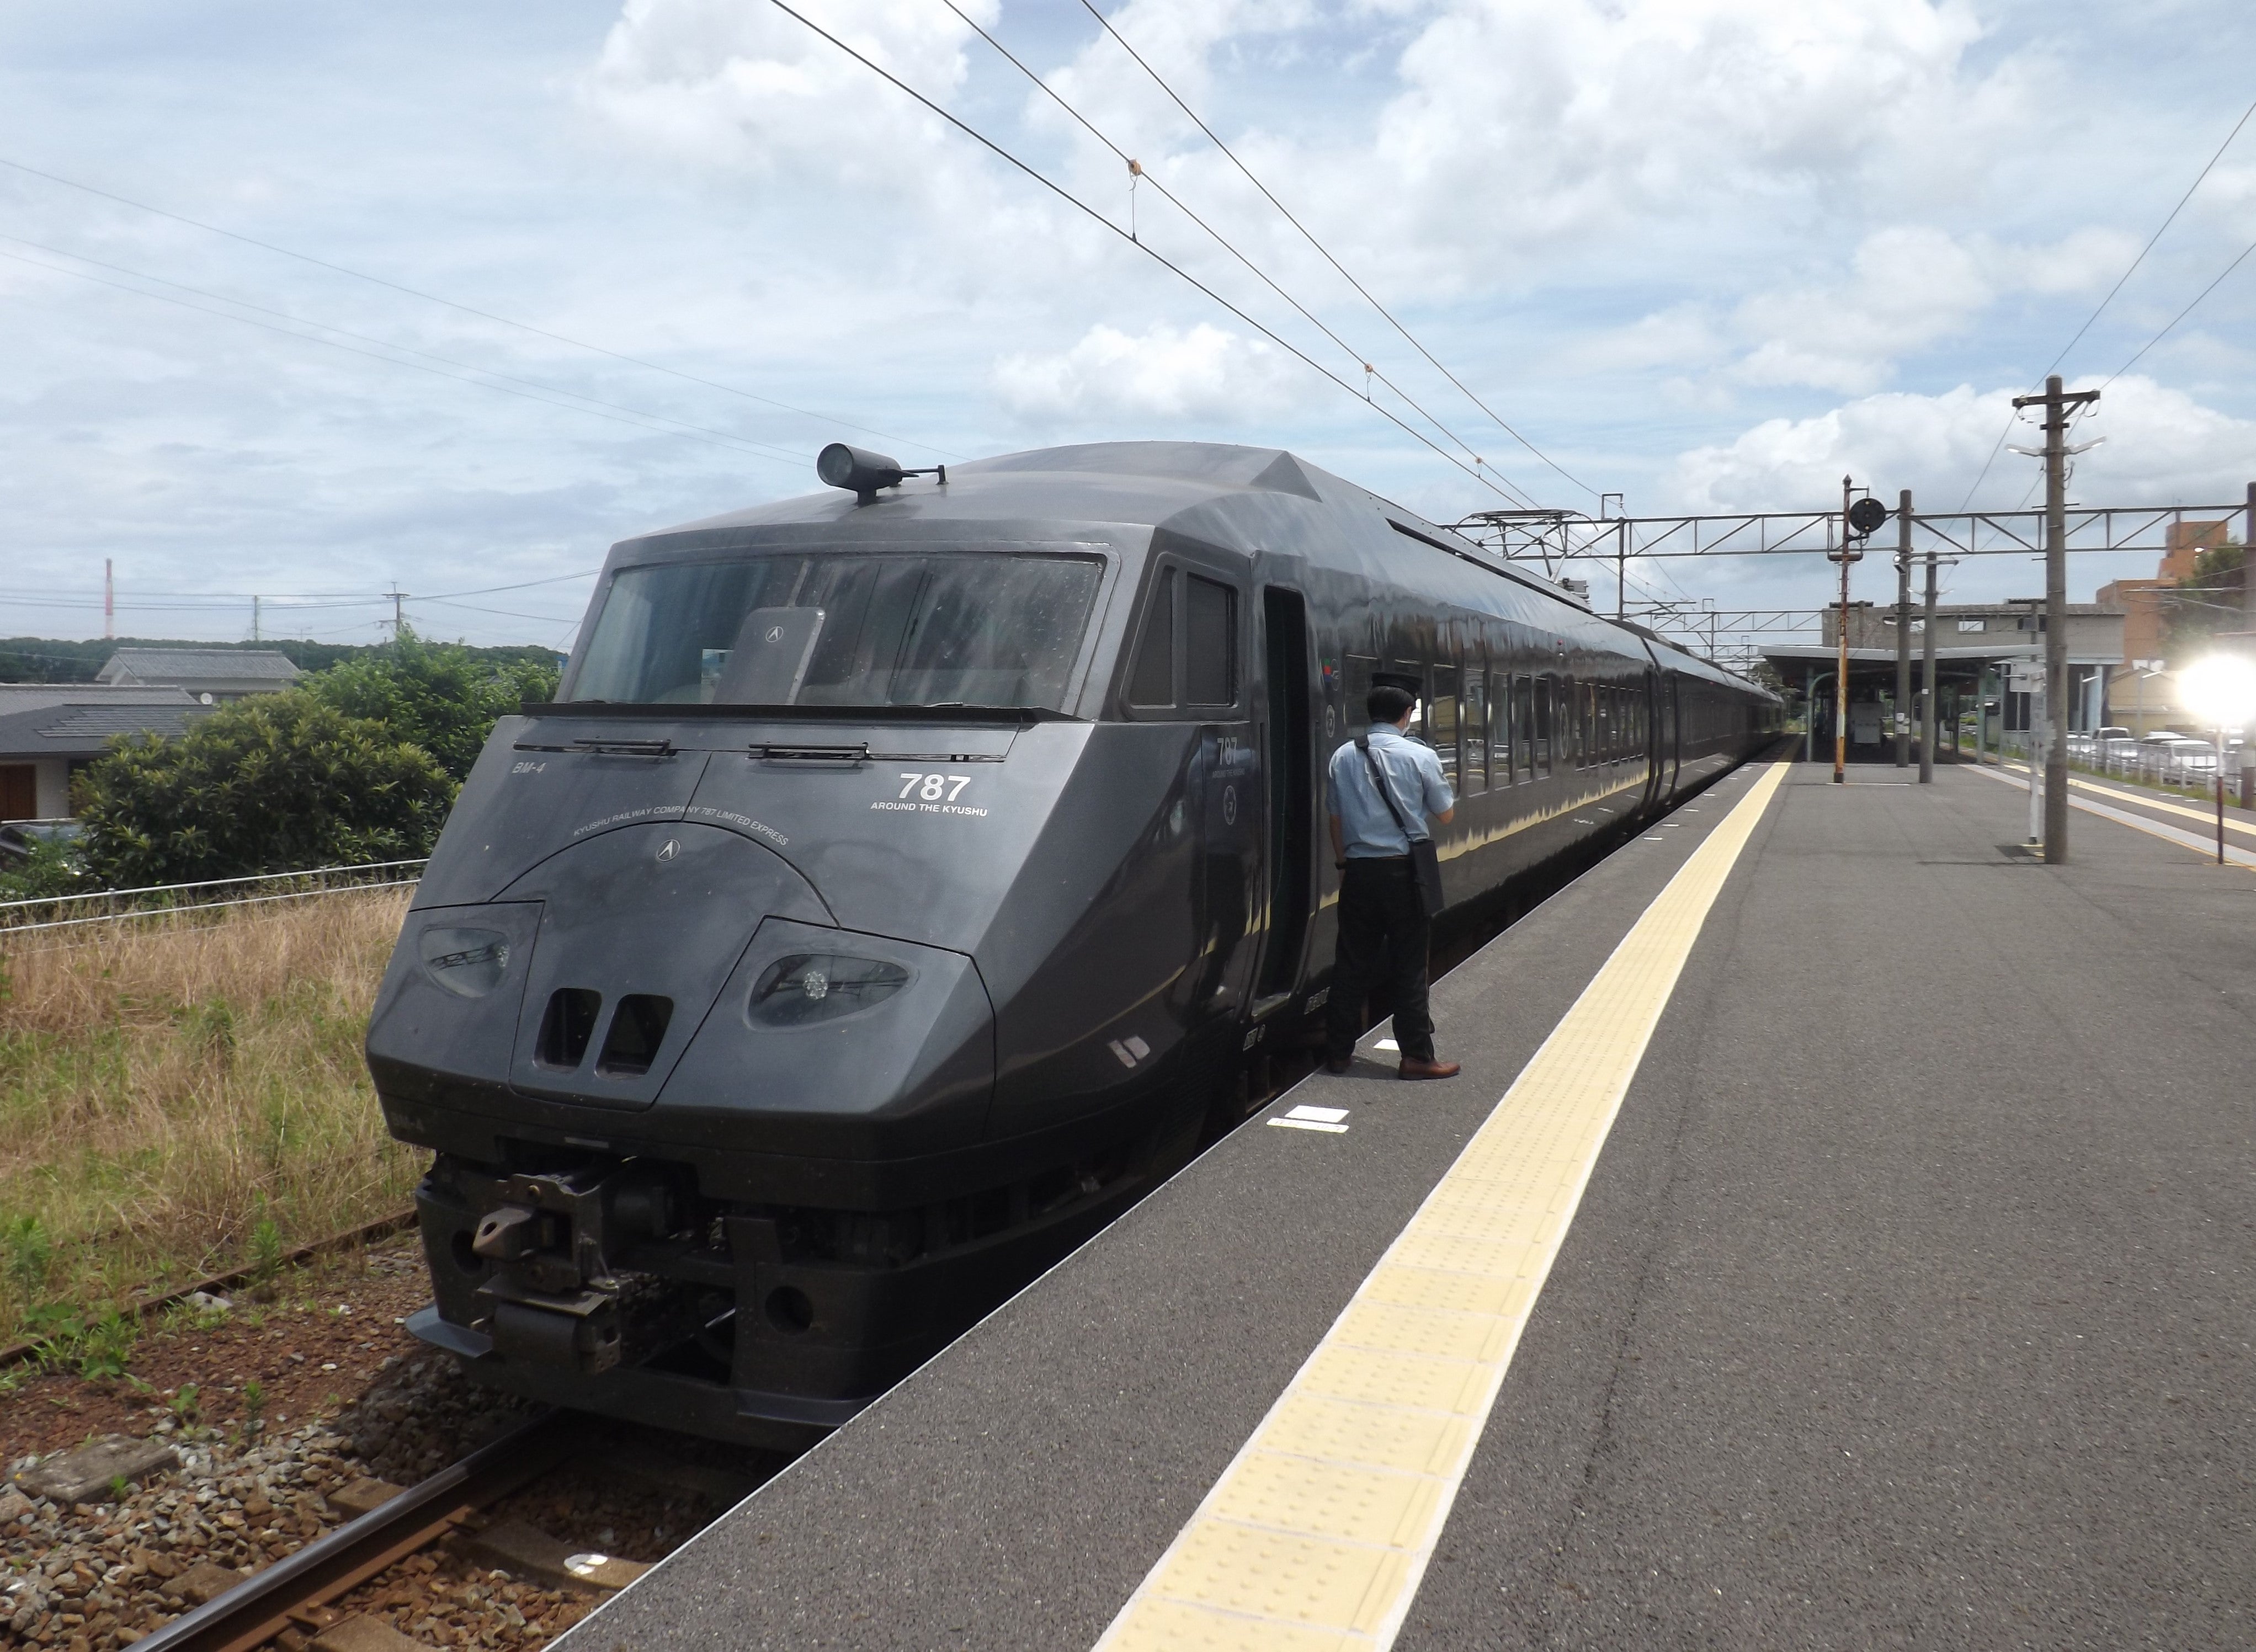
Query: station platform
point(1840, 1235)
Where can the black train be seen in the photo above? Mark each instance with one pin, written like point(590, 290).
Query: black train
point(901, 884)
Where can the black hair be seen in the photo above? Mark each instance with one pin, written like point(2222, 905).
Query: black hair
point(1386, 703)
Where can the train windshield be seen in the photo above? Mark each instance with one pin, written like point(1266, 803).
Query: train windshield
point(958, 629)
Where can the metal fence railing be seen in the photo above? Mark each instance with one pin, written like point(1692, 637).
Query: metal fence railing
point(158, 900)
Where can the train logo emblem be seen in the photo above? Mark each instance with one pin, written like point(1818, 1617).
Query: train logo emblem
point(1230, 806)
point(775, 633)
point(671, 847)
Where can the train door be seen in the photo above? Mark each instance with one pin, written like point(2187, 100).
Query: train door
point(1228, 767)
point(1288, 738)
point(1672, 734)
point(1648, 737)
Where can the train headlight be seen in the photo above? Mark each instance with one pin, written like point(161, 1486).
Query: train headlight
point(467, 962)
point(808, 987)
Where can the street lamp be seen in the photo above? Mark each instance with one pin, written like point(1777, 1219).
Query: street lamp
point(2221, 691)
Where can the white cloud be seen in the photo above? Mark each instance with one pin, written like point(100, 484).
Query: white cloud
point(1524, 122)
point(1910, 285)
point(1203, 373)
point(2163, 446)
point(722, 83)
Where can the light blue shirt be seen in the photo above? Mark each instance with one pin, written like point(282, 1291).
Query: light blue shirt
point(1414, 778)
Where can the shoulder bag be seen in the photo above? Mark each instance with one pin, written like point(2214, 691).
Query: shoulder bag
point(1425, 858)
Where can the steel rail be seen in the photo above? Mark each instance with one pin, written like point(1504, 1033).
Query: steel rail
point(260, 1606)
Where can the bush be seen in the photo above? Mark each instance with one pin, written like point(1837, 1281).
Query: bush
point(46, 867)
point(443, 699)
point(275, 782)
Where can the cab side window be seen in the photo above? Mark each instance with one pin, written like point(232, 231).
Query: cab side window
point(1152, 682)
point(1209, 642)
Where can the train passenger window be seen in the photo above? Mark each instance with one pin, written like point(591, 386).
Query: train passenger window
point(1153, 681)
point(1507, 729)
point(1475, 714)
point(1441, 722)
point(1209, 642)
point(1539, 706)
point(1359, 670)
point(1412, 676)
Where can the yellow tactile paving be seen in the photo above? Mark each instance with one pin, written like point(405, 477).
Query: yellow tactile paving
point(1385, 1507)
point(1394, 1376)
point(1430, 1288)
point(1291, 1577)
point(1449, 1333)
point(1316, 1535)
point(1183, 1629)
point(1340, 1431)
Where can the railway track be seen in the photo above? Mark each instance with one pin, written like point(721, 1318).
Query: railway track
point(293, 1592)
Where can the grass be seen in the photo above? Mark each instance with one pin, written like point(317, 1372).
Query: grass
point(181, 1096)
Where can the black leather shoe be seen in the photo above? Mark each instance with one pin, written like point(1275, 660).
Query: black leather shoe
point(1413, 1068)
point(1338, 1065)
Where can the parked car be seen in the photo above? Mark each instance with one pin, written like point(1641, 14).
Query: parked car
point(2168, 756)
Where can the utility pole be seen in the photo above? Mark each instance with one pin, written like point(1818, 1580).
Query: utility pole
point(398, 618)
point(1851, 532)
point(1621, 570)
point(1903, 630)
point(110, 599)
point(254, 619)
point(2056, 403)
point(1926, 668)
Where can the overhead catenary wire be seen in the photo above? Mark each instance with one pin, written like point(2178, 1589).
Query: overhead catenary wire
point(2151, 240)
point(466, 309)
point(2170, 324)
point(1082, 207)
point(1139, 173)
point(1325, 252)
point(1999, 445)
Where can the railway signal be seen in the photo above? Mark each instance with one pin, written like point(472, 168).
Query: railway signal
point(1860, 519)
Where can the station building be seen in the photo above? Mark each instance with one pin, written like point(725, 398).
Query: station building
point(1983, 652)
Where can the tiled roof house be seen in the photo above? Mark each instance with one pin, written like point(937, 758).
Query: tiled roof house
point(49, 730)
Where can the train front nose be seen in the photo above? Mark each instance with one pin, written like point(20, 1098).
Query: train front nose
point(676, 969)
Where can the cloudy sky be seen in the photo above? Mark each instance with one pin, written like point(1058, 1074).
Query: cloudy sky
point(1710, 254)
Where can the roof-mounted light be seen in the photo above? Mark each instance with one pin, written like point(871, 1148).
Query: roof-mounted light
point(864, 473)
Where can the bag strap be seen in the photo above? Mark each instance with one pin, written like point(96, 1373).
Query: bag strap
point(1385, 792)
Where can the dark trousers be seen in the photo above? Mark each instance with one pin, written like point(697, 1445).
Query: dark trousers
point(1383, 932)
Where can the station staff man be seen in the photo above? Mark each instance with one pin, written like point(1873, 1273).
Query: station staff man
point(1383, 925)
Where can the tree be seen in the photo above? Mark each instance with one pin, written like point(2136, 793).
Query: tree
point(274, 783)
point(442, 697)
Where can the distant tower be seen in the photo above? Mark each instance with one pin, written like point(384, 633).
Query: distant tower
point(109, 602)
